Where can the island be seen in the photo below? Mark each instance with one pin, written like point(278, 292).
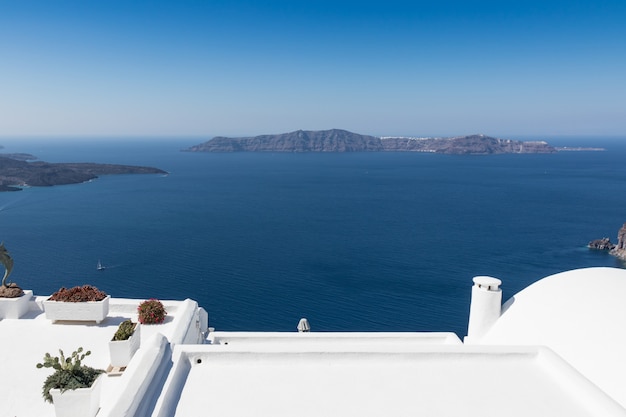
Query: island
point(17, 173)
point(337, 140)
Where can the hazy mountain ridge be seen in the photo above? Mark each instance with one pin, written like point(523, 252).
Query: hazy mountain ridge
point(337, 140)
point(334, 140)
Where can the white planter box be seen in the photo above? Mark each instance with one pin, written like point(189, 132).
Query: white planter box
point(122, 351)
point(83, 311)
point(14, 308)
point(81, 402)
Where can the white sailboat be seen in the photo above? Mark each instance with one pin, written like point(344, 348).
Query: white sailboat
point(99, 267)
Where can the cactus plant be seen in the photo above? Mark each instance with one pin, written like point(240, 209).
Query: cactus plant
point(69, 373)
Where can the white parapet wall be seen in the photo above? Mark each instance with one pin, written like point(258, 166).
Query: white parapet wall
point(137, 381)
point(170, 396)
point(332, 341)
point(196, 320)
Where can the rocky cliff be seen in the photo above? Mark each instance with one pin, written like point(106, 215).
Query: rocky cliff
point(620, 249)
point(336, 140)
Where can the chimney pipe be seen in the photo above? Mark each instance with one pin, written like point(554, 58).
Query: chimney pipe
point(485, 307)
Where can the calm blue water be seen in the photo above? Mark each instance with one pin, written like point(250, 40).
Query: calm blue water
point(356, 241)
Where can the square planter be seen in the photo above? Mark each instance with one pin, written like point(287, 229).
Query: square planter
point(82, 311)
point(14, 308)
point(81, 402)
point(122, 351)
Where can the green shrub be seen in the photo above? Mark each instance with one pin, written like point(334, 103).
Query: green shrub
point(69, 373)
point(125, 330)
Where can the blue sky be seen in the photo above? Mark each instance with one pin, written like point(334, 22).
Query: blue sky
point(205, 68)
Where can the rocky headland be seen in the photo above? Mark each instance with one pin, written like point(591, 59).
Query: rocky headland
point(618, 250)
point(337, 140)
point(601, 244)
point(16, 173)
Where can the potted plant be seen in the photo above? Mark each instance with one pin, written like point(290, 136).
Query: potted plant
point(13, 300)
point(124, 344)
point(86, 303)
point(73, 388)
point(151, 312)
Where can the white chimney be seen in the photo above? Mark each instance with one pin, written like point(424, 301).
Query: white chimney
point(485, 307)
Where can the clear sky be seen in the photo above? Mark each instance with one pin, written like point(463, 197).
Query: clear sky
point(202, 68)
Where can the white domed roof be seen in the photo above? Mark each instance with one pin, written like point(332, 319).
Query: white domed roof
point(581, 315)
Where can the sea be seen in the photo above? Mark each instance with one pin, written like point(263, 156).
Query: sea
point(351, 241)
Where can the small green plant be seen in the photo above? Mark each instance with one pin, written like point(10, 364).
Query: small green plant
point(125, 330)
point(151, 312)
point(69, 373)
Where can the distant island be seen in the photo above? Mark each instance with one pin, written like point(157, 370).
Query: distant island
point(16, 172)
point(337, 140)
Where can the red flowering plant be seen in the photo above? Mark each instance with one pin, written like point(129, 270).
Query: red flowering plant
point(151, 312)
point(78, 294)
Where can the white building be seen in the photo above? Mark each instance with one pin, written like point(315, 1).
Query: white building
point(554, 349)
